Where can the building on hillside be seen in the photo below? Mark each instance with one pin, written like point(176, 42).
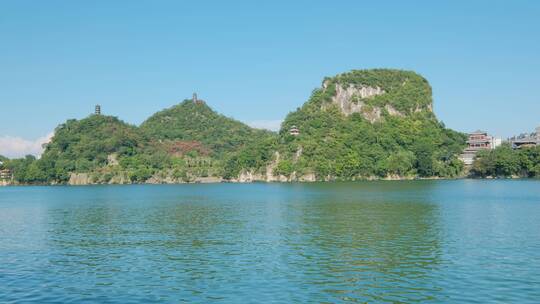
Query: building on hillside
point(294, 131)
point(5, 174)
point(98, 110)
point(525, 140)
point(478, 141)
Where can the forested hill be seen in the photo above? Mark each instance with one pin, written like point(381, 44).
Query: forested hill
point(361, 124)
point(367, 124)
point(195, 121)
point(80, 146)
point(180, 144)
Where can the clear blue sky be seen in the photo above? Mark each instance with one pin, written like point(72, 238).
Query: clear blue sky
point(257, 61)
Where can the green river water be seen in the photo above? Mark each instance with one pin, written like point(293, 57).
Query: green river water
point(463, 241)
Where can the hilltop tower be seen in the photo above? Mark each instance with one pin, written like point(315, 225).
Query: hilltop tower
point(98, 110)
point(195, 98)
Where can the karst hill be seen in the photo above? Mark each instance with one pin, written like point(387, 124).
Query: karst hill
point(362, 124)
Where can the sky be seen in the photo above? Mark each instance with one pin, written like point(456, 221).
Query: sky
point(257, 61)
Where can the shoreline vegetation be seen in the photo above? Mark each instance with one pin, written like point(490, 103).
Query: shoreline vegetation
point(361, 125)
point(223, 181)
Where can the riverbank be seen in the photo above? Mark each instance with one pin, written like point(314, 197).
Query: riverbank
point(218, 180)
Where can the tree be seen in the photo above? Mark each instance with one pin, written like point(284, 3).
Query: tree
point(506, 162)
point(424, 159)
point(400, 163)
point(285, 168)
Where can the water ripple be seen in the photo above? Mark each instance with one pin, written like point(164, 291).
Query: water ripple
point(408, 242)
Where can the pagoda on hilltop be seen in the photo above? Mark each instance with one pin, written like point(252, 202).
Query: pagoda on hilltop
point(197, 100)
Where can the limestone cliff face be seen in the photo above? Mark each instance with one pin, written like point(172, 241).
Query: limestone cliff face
point(169, 179)
point(249, 177)
point(112, 159)
point(268, 175)
point(119, 179)
point(309, 177)
point(350, 98)
point(79, 179)
point(372, 93)
point(76, 179)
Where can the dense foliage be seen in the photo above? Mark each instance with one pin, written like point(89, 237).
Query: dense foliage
point(182, 143)
point(83, 146)
point(190, 141)
point(332, 145)
point(78, 146)
point(195, 121)
point(26, 170)
point(253, 157)
point(335, 146)
point(506, 162)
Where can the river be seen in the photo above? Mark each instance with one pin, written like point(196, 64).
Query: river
point(462, 241)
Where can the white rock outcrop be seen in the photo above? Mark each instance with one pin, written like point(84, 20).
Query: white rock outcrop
point(352, 99)
point(349, 99)
point(112, 160)
point(77, 179)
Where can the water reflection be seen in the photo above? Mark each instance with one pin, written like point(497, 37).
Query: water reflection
point(344, 245)
point(373, 251)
